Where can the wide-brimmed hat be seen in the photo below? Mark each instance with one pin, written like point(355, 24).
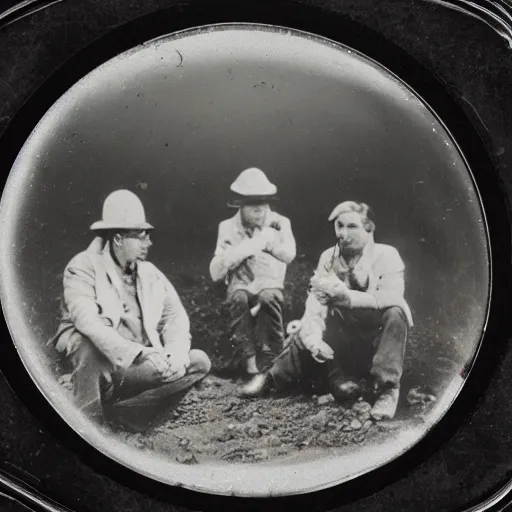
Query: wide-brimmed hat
point(251, 187)
point(122, 209)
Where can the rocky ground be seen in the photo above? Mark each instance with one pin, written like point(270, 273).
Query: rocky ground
point(214, 423)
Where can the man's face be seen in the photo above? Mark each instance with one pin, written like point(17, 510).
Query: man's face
point(134, 246)
point(253, 215)
point(350, 232)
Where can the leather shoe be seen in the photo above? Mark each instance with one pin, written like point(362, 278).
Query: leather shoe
point(386, 405)
point(345, 390)
point(257, 386)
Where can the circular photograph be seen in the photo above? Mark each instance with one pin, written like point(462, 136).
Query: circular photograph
point(245, 260)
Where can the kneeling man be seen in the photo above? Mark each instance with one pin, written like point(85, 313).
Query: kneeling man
point(124, 328)
point(356, 319)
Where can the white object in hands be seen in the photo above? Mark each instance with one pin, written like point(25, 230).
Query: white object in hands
point(292, 332)
point(293, 327)
point(255, 309)
point(322, 352)
point(266, 237)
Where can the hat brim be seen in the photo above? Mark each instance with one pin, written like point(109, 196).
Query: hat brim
point(268, 190)
point(251, 200)
point(101, 226)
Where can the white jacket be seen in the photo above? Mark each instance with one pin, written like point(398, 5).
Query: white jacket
point(93, 307)
point(263, 270)
point(383, 267)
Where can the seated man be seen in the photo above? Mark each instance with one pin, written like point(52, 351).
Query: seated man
point(124, 329)
point(252, 252)
point(356, 320)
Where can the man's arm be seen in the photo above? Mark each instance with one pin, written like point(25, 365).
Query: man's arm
point(390, 290)
point(390, 286)
point(174, 325)
point(228, 257)
point(283, 246)
point(313, 320)
point(80, 299)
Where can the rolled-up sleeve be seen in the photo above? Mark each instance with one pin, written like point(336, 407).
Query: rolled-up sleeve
point(84, 313)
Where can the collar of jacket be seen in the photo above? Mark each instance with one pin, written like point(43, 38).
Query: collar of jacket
point(144, 270)
point(365, 258)
point(102, 250)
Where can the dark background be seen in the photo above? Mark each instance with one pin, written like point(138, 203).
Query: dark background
point(477, 459)
point(178, 137)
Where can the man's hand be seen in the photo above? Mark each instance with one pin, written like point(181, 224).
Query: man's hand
point(177, 371)
point(342, 298)
point(169, 366)
point(178, 362)
point(321, 352)
point(275, 224)
point(331, 287)
point(321, 297)
point(180, 358)
point(266, 237)
point(340, 294)
point(321, 283)
point(157, 359)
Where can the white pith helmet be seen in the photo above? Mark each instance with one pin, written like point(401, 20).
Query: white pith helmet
point(122, 209)
point(253, 182)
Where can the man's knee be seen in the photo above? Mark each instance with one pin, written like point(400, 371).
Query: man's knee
point(83, 352)
point(239, 298)
point(199, 361)
point(394, 314)
point(270, 297)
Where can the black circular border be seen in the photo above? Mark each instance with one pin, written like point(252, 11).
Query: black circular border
point(470, 136)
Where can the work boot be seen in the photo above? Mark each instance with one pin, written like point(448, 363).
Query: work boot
point(386, 404)
point(341, 388)
point(259, 385)
point(346, 390)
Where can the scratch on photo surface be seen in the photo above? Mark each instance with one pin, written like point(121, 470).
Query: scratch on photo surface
point(180, 64)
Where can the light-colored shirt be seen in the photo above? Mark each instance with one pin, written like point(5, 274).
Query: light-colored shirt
point(130, 324)
point(266, 269)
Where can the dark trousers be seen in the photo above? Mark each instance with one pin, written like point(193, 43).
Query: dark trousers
point(134, 397)
point(366, 343)
point(248, 333)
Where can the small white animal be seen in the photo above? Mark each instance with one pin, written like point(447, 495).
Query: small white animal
point(293, 331)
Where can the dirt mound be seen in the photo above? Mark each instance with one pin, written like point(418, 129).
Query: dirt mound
point(214, 423)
